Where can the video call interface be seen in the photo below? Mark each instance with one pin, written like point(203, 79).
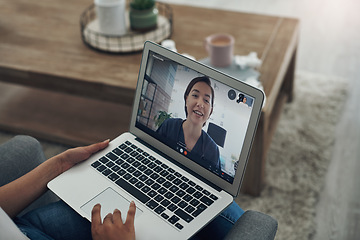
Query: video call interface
point(161, 113)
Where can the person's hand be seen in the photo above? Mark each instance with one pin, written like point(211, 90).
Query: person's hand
point(112, 227)
point(75, 155)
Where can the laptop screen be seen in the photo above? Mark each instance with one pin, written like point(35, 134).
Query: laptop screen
point(195, 115)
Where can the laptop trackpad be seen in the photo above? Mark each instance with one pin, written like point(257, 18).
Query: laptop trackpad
point(109, 200)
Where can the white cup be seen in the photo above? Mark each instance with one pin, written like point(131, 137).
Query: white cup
point(111, 16)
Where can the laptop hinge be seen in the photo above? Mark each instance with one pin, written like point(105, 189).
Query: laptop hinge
point(179, 165)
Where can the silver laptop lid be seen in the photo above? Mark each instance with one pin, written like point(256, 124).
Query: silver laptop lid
point(220, 155)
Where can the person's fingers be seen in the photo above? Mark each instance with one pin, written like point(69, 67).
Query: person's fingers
point(93, 148)
point(108, 218)
point(131, 215)
point(95, 215)
point(117, 217)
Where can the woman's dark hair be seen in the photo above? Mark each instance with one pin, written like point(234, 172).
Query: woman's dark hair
point(204, 79)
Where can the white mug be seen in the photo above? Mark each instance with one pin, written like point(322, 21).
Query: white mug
point(111, 16)
point(220, 48)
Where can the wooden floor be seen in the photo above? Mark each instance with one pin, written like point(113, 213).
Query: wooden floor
point(329, 45)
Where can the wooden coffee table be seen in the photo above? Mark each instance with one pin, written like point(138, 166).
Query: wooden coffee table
point(72, 94)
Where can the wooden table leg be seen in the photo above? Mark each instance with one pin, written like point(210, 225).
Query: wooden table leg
point(255, 171)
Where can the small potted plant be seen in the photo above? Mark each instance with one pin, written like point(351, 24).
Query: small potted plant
point(143, 15)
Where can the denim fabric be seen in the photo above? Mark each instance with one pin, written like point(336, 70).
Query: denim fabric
point(58, 221)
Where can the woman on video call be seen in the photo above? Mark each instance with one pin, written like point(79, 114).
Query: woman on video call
point(188, 133)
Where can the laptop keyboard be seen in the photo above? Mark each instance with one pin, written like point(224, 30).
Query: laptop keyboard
point(162, 189)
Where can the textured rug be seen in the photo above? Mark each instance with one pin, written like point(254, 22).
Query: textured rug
point(298, 159)
point(299, 156)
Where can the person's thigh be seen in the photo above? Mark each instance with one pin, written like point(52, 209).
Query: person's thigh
point(55, 221)
point(221, 225)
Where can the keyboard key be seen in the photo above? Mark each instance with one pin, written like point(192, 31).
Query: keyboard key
point(164, 173)
point(104, 160)
point(159, 209)
point(165, 202)
point(182, 204)
point(168, 195)
point(96, 164)
point(139, 185)
point(137, 173)
point(107, 172)
point(172, 207)
point(179, 226)
point(140, 157)
point(187, 198)
point(180, 193)
point(125, 156)
point(136, 164)
point(154, 176)
point(121, 172)
point(134, 154)
point(174, 189)
point(170, 177)
point(119, 161)
point(160, 180)
point(167, 184)
point(152, 193)
point(185, 179)
point(125, 165)
point(128, 150)
point(199, 210)
point(213, 197)
point(133, 180)
point(177, 181)
point(143, 178)
point(155, 186)
point(159, 198)
point(132, 190)
point(118, 151)
point(191, 183)
point(148, 172)
point(152, 204)
point(127, 176)
point(190, 190)
point(194, 202)
point(112, 156)
point(199, 188)
point(189, 209)
point(115, 168)
point(173, 219)
point(165, 216)
point(130, 160)
point(162, 191)
point(113, 177)
point(101, 168)
point(149, 182)
point(183, 215)
point(206, 192)
point(184, 186)
point(206, 200)
point(175, 200)
point(198, 195)
point(122, 146)
point(158, 169)
point(146, 189)
point(110, 164)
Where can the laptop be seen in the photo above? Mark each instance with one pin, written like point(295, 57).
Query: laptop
point(177, 189)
